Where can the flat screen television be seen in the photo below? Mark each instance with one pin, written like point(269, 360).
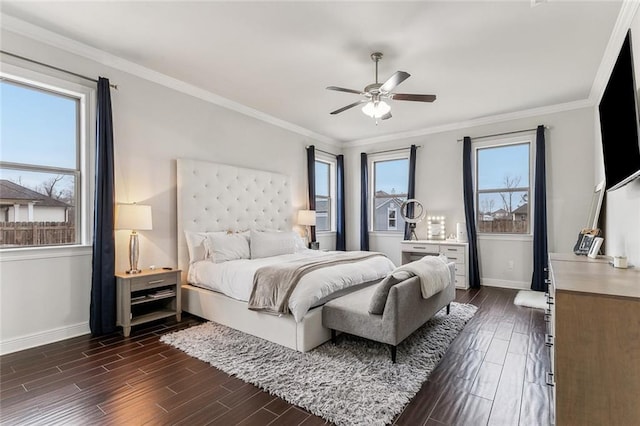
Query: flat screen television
point(619, 122)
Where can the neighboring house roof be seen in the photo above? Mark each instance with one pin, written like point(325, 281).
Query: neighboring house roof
point(396, 198)
point(12, 193)
point(523, 209)
point(499, 212)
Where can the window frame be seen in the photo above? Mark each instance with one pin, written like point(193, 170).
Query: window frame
point(526, 138)
point(34, 77)
point(371, 160)
point(332, 163)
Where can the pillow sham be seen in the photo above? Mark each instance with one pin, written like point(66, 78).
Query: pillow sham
point(225, 246)
point(195, 246)
point(273, 243)
point(379, 298)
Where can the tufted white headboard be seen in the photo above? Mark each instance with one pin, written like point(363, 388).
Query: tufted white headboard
point(218, 197)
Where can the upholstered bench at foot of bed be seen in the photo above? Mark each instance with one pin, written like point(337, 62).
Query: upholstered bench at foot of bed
point(404, 312)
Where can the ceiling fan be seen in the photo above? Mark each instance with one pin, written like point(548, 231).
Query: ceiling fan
point(375, 93)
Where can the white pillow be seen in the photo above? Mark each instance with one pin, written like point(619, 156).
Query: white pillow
point(224, 246)
point(273, 243)
point(195, 246)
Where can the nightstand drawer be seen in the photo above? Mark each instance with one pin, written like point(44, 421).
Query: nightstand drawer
point(156, 280)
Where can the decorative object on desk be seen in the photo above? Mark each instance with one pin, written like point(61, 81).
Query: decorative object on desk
point(412, 212)
point(134, 217)
point(585, 240)
point(436, 228)
point(461, 232)
point(595, 247)
point(307, 218)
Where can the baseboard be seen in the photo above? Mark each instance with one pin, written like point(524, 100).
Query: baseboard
point(43, 338)
point(493, 282)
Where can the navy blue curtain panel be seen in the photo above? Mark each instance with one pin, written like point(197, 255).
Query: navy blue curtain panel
point(364, 195)
point(411, 189)
point(311, 179)
point(540, 249)
point(341, 237)
point(470, 216)
point(102, 315)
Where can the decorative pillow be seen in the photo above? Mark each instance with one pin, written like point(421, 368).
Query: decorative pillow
point(379, 298)
point(225, 246)
point(273, 243)
point(195, 246)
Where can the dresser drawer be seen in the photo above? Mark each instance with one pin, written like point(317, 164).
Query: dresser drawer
point(156, 280)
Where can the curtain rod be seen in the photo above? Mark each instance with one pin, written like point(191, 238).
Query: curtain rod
point(115, 86)
point(392, 150)
point(324, 152)
point(503, 134)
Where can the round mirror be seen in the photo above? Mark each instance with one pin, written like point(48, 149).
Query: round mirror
point(412, 212)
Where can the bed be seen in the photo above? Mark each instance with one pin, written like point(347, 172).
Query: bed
point(215, 198)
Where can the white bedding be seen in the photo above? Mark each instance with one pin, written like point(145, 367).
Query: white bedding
point(235, 278)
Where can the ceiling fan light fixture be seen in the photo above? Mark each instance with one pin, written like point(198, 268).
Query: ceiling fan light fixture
point(376, 109)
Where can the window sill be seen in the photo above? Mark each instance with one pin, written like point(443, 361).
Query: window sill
point(387, 234)
point(34, 253)
point(505, 237)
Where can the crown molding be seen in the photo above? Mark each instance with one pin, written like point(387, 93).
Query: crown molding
point(494, 119)
point(623, 23)
point(51, 38)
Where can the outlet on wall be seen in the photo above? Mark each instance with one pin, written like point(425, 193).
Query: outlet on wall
point(510, 265)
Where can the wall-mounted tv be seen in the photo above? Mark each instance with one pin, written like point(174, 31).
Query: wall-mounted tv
point(619, 122)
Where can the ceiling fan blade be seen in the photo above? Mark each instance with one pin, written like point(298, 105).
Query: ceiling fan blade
point(386, 116)
point(344, 108)
point(411, 97)
point(394, 80)
point(342, 89)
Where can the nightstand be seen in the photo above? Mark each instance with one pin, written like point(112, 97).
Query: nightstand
point(147, 296)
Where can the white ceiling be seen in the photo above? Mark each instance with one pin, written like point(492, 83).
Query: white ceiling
point(480, 58)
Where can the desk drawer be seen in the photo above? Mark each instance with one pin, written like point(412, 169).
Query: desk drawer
point(421, 248)
point(157, 280)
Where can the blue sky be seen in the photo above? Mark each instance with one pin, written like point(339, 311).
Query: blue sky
point(392, 176)
point(38, 128)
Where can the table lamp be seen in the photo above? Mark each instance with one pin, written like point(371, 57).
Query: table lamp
point(307, 218)
point(135, 217)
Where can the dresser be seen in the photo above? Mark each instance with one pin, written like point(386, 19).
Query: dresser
point(455, 252)
point(594, 341)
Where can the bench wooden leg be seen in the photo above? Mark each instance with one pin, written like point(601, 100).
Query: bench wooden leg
point(448, 308)
point(333, 336)
point(393, 353)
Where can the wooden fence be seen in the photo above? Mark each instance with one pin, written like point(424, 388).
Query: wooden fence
point(504, 226)
point(36, 233)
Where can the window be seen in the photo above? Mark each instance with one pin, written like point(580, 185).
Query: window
point(325, 190)
point(503, 188)
point(391, 219)
point(41, 181)
point(390, 181)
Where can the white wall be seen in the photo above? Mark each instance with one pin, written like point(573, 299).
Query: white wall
point(439, 187)
point(47, 299)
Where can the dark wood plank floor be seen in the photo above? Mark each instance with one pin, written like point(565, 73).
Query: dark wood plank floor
point(492, 374)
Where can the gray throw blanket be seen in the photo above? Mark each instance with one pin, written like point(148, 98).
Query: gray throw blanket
point(273, 285)
point(433, 272)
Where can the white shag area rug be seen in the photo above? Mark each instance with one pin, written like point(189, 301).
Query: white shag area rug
point(352, 382)
point(531, 299)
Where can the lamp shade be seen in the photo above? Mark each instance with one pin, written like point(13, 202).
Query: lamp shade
point(376, 109)
point(307, 217)
point(136, 217)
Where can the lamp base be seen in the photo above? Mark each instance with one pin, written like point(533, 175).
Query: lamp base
point(133, 271)
point(133, 254)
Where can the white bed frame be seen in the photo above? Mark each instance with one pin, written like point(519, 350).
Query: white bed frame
point(217, 197)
